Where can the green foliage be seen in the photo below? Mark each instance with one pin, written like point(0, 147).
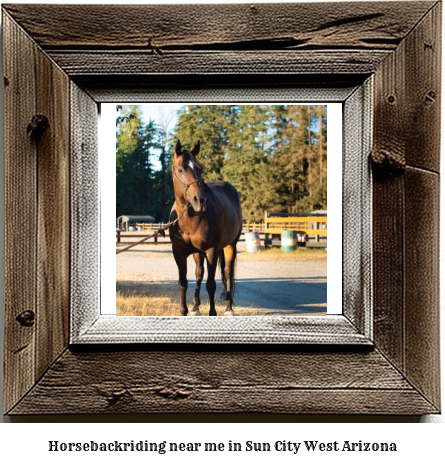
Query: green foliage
point(211, 124)
point(275, 155)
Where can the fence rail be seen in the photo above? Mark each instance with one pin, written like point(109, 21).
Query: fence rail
point(313, 226)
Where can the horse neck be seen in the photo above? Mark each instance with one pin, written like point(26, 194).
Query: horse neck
point(191, 220)
point(179, 195)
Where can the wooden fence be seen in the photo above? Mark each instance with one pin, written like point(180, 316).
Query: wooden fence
point(313, 226)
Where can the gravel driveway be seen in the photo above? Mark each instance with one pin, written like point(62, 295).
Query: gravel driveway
point(286, 287)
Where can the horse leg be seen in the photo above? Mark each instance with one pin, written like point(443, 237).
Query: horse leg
point(229, 275)
point(212, 262)
point(199, 273)
point(181, 261)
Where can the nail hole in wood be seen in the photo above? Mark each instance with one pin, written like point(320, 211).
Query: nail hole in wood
point(430, 97)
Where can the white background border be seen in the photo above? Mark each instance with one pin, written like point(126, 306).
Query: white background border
point(107, 175)
point(27, 443)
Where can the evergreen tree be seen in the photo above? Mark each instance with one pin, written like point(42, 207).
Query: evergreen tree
point(163, 194)
point(134, 182)
point(275, 155)
point(210, 124)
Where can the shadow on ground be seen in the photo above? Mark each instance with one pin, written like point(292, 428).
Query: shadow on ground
point(274, 296)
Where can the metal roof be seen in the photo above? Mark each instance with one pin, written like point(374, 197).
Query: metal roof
point(136, 219)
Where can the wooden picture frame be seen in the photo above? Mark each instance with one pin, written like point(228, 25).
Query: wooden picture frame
point(57, 70)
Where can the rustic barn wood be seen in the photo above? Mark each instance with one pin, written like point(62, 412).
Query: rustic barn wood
point(79, 63)
point(20, 213)
point(72, 64)
point(244, 381)
point(53, 231)
point(270, 26)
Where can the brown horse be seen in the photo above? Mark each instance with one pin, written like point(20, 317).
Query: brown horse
point(209, 227)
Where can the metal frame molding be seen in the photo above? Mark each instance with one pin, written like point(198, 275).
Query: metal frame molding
point(381, 356)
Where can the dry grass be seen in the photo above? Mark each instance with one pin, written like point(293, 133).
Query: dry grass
point(142, 299)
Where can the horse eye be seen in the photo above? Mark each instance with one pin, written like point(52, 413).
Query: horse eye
point(180, 171)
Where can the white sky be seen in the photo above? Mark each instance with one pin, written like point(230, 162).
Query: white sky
point(165, 114)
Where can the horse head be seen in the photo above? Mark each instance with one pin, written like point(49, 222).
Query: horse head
point(187, 171)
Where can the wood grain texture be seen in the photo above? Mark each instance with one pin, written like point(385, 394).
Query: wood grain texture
point(422, 323)
point(406, 206)
point(357, 207)
point(376, 25)
point(78, 63)
point(20, 212)
point(223, 382)
point(332, 329)
point(388, 268)
point(388, 201)
point(399, 41)
point(423, 91)
point(85, 210)
point(53, 228)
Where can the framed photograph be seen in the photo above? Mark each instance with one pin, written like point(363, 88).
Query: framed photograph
point(273, 158)
point(376, 350)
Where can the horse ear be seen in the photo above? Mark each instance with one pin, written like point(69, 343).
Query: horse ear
point(178, 148)
point(196, 148)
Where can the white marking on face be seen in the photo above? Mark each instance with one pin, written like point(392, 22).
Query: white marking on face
point(192, 166)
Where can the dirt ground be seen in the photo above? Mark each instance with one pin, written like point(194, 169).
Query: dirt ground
point(267, 283)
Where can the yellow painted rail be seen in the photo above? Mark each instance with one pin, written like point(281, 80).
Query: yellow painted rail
point(309, 232)
point(296, 219)
point(311, 225)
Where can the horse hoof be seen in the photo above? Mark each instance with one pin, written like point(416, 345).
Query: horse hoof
point(212, 313)
point(184, 312)
point(195, 312)
point(229, 313)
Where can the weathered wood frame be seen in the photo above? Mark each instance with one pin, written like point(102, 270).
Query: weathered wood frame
point(67, 61)
point(353, 326)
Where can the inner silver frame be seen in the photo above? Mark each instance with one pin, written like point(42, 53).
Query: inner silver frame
point(353, 326)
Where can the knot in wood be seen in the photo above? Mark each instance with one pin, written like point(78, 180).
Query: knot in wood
point(37, 126)
point(26, 318)
point(172, 393)
point(387, 163)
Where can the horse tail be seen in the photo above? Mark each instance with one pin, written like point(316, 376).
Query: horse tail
point(222, 265)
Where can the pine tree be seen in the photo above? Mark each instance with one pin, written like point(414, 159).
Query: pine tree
point(275, 155)
point(210, 124)
point(134, 141)
point(249, 161)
